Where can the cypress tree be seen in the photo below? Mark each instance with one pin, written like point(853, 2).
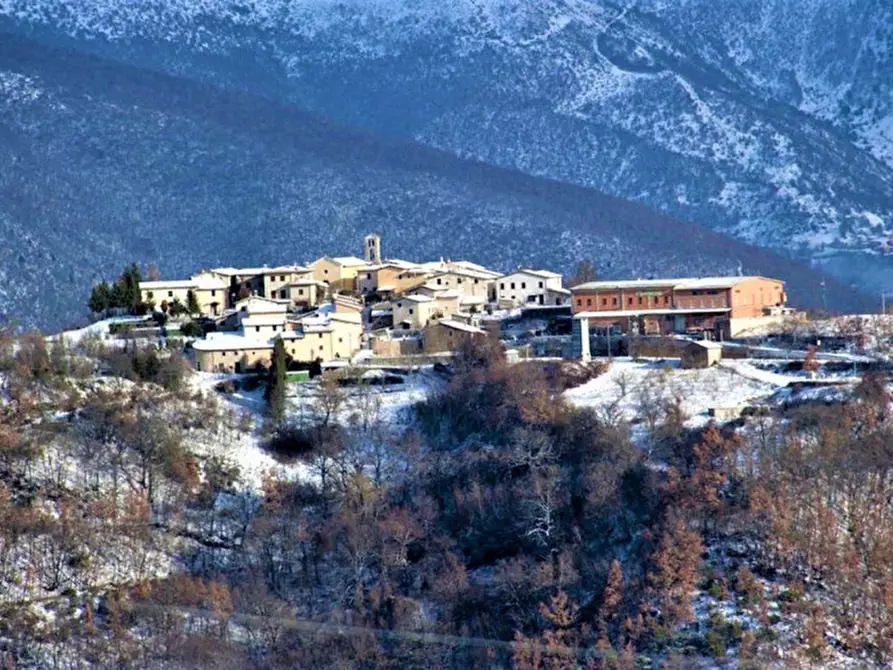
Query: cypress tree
point(192, 303)
point(276, 384)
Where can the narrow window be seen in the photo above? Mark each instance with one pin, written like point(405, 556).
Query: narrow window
point(523, 284)
point(604, 301)
point(579, 302)
point(170, 294)
point(589, 302)
point(513, 286)
point(541, 284)
point(614, 300)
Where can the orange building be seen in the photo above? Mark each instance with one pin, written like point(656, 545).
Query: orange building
point(658, 306)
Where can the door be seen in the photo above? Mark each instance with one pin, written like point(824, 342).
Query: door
point(679, 324)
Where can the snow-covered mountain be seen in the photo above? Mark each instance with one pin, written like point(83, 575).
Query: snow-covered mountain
point(770, 120)
point(102, 164)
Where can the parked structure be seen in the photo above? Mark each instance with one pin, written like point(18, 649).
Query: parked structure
point(700, 354)
point(724, 305)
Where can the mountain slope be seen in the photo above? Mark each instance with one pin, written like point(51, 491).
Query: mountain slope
point(105, 163)
point(770, 120)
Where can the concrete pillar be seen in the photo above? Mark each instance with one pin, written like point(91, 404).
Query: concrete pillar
point(581, 339)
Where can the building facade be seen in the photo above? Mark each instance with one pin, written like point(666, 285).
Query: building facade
point(530, 287)
point(726, 305)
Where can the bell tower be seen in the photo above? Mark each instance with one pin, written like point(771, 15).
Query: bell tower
point(372, 246)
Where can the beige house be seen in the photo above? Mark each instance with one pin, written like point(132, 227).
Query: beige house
point(448, 335)
point(277, 282)
point(467, 282)
point(339, 273)
point(325, 337)
point(210, 293)
point(329, 337)
point(307, 292)
point(226, 352)
point(392, 277)
point(531, 287)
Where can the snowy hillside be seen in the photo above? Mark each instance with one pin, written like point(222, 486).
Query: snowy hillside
point(769, 120)
point(137, 166)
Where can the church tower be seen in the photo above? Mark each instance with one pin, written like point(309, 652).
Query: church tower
point(372, 245)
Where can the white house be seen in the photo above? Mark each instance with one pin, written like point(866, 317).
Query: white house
point(531, 287)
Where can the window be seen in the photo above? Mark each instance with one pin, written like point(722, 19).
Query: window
point(213, 293)
point(170, 294)
point(274, 329)
point(151, 295)
point(579, 302)
point(325, 272)
point(320, 336)
point(340, 340)
point(666, 300)
point(283, 294)
point(541, 284)
point(282, 278)
point(368, 275)
point(523, 284)
point(320, 347)
point(300, 291)
point(630, 301)
point(410, 310)
point(604, 301)
point(614, 300)
point(475, 281)
point(257, 329)
point(589, 302)
point(501, 286)
point(458, 280)
point(439, 281)
point(513, 286)
point(640, 300)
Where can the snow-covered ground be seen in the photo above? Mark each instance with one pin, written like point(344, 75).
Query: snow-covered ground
point(391, 404)
point(631, 385)
point(98, 329)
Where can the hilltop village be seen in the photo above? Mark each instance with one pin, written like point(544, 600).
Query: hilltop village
point(340, 307)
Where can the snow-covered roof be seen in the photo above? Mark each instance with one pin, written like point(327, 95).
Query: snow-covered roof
point(458, 325)
point(706, 344)
point(416, 297)
point(229, 341)
point(263, 320)
point(255, 304)
point(686, 283)
point(349, 261)
point(449, 294)
point(542, 274)
point(473, 300)
point(280, 269)
point(646, 312)
point(169, 284)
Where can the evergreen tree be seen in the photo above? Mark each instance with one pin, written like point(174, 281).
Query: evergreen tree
point(127, 289)
point(192, 303)
point(100, 298)
point(276, 384)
